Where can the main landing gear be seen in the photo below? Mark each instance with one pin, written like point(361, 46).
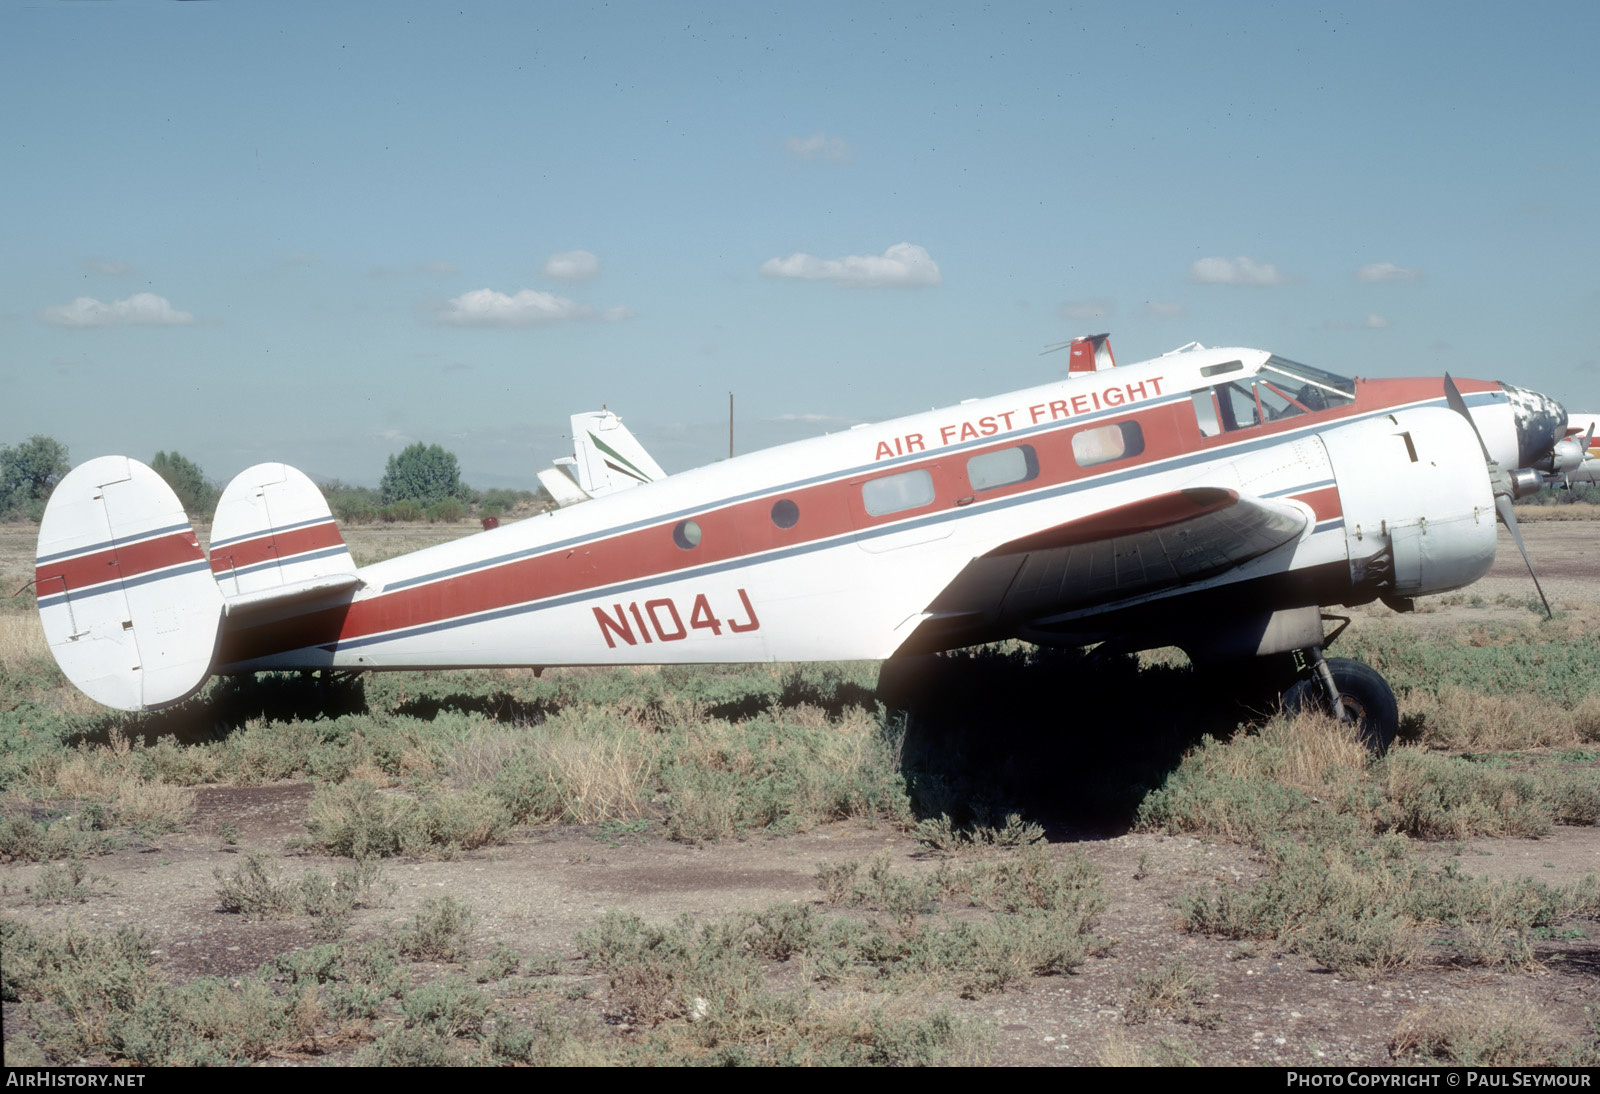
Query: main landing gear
point(1351, 691)
point(1259, 652)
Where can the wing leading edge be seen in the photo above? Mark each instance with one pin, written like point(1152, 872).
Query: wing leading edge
point(1146, 546)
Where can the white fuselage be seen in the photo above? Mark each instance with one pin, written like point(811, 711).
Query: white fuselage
point(790, 558)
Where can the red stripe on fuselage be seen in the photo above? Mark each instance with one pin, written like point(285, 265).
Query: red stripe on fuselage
point(279, 546)
point(1324, 503)
point(827, 510)
point(123, 561)
point(745, 528)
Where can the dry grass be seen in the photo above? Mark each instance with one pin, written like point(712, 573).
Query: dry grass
point(604, 779)
point(378, 543)
point(108, 774)
point(1309, 750)
point(1578, 510)
point(1462, 720)
point(1118, 1050)
point(22, 645)
point(1476, 1033)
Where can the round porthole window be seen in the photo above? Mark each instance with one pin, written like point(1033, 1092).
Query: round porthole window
point(686, 535)
point(785, 513)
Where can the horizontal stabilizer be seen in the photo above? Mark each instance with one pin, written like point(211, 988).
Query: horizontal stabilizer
point(128, 605)
point(297, 596)
point(274, 538)
point(560, 487)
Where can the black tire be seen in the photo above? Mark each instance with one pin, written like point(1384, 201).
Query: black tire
point(1367, 698)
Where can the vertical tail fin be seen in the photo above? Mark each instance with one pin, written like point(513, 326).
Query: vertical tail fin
point(609, 457)
point(128, 605)
point(1090, 353)
point(274, 539)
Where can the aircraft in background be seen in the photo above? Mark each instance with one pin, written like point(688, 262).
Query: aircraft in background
point(1576, 457)
point(1211, 499)
point(606, 459)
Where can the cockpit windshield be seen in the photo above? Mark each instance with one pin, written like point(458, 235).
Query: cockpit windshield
point(1312, 388)
point(1280, 389)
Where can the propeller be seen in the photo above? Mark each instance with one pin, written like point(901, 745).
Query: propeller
point(1504, 483)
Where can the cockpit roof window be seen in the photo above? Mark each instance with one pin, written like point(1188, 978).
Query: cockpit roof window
point(1336, 389)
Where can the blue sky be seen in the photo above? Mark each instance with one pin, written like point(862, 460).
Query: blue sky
point(317, 232)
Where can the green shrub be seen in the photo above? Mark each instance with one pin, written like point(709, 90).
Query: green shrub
point(439, 931)
point(448, 511)
point(406, 510)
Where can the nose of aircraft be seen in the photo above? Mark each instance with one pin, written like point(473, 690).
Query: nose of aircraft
point(1540, 422)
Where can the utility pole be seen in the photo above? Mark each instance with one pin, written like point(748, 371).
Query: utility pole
point(730, 425)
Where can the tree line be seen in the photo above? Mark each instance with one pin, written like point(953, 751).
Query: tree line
point(421, 482)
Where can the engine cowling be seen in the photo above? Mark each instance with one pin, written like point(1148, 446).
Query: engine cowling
point(1418, 507)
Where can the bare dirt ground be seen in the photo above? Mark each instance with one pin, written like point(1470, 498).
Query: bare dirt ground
point(535, 892)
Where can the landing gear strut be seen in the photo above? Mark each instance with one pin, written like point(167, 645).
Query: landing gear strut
point(1351, 691)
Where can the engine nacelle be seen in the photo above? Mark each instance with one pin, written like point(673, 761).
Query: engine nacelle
point(1418, 507)
point(1567, 456)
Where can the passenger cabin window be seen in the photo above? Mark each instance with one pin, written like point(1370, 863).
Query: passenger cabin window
point(1106, 443)
point(896, 493)
point(687, 534)
point(1003, 468)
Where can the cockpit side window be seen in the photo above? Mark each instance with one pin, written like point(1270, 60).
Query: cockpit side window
point(1238, 405)
point(1275, 405)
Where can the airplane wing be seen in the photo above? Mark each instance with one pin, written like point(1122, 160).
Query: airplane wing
point(1157, 543)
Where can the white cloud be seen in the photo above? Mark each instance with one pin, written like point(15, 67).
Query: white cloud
point(109, 269)
point(1371, 322)
point(1167, 309)
point(1087, 309)
point(818, 146)
point(528, 308)
point(572, 266)
point(1235, 271)
point(1387, 271)
point(144, 309)
point(904, 264)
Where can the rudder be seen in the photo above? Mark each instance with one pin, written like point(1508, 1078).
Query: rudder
point(274, 539)
point(126, 599)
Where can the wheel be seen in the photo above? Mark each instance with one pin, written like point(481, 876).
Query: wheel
point(1368, 700)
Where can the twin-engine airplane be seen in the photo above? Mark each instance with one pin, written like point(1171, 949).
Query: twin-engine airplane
point(1212, 499)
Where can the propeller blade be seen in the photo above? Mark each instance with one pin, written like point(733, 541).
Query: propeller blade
point(1508, 517)
point(1452, 396)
